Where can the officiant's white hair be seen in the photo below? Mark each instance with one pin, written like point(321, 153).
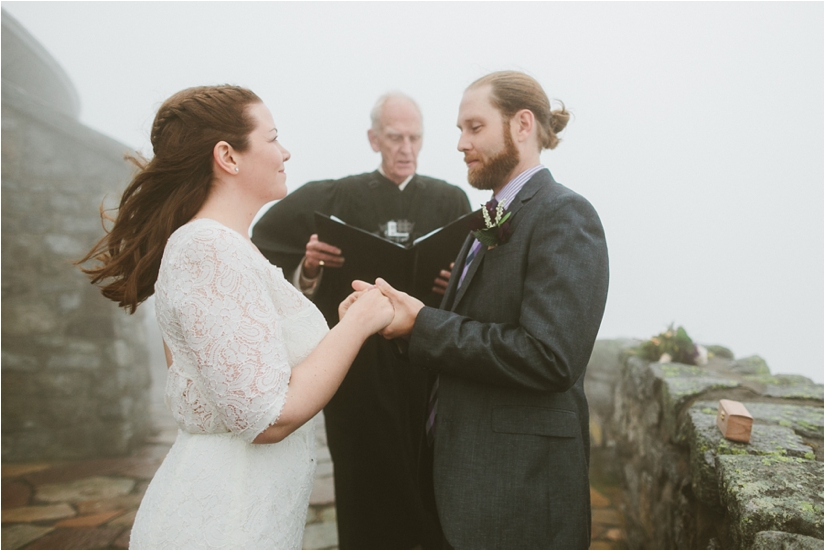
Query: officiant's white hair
point(375, 114)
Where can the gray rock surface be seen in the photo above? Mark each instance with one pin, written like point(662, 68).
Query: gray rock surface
point(770, 493)
point(685, 486)
point(784, 540)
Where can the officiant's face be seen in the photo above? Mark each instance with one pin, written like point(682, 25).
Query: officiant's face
point(486, 141)
point(398, 139)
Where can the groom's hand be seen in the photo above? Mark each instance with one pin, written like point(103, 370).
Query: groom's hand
point(406, 310)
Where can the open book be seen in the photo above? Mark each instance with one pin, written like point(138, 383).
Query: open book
point(411, 269)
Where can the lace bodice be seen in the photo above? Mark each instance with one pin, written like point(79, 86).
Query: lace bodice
point(235, 328)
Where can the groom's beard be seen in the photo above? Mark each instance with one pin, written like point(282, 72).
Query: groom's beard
point(492, 173)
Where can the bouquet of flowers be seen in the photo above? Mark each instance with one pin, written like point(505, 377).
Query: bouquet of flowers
point(673, 345)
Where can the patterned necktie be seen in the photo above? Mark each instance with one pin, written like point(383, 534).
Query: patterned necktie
point(432, 406)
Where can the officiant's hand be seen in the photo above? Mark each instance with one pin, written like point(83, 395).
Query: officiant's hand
point(443, 279)
point(320, 254)
point(406, 310)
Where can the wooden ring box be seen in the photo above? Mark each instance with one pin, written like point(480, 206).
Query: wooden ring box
point(734, 420)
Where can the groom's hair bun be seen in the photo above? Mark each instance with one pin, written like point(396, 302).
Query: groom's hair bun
point(512, 91)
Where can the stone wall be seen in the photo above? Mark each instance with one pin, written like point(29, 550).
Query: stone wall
point(687, 487)
point(75, 377)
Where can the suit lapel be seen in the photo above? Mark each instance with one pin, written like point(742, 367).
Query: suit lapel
point(470, 271)
point(527, 192)
point(449, 296)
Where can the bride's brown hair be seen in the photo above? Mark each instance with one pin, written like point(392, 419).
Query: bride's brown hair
point(168, 190)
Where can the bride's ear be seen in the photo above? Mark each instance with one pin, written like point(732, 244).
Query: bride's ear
point(226, 158)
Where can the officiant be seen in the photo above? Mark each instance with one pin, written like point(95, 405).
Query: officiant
point(375, 422)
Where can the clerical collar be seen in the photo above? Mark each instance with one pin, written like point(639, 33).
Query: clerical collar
point(508, 192)
point(402, 185)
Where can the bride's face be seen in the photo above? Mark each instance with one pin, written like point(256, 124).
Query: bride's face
point(261, 166)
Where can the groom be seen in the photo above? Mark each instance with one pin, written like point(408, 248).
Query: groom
point(507, 350)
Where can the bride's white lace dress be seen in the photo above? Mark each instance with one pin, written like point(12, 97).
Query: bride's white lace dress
point(235, 328)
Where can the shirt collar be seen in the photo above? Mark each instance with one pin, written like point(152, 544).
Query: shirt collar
point(509, 192)
point(402, 185)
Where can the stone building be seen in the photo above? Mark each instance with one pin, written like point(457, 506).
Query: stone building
point(75, 377)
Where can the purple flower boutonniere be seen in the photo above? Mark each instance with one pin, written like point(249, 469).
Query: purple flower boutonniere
point(492, 226)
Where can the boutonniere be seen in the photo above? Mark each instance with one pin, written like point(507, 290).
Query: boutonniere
point(492, 226)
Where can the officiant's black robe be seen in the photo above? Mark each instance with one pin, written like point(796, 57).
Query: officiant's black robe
point(376, 419)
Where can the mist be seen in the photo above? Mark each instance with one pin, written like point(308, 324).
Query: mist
point(697, 129)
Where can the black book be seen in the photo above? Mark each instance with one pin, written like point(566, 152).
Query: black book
point(411, 269)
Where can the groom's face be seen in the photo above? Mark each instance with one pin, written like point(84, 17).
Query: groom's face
point(486, 141)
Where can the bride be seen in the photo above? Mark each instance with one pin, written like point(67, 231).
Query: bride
point(251, 360)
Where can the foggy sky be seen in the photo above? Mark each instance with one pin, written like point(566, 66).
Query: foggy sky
point(697, 129)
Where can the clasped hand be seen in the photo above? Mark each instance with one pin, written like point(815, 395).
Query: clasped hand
point(405, 307)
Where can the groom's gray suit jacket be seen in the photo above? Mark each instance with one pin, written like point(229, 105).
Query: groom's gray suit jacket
point(510, 347)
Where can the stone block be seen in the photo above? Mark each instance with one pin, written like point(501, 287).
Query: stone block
point(15, 494)
point(93, 488)
point(328, 514)
point(323, 492)
point(752, 365)
point(126, 520)
point(101, 537)
point(323, 455)
point(15, 470)
point(65, 246)
point(37, 513)
point(606, 517)
point(719, 351)
point(706, 443)
point(32, 317)
point(68, 360)
point(128, 501)
point(679, 384)
point(770, 493)
point(597, 499)
point(70, 383)
point(122, 541)
point(324, 470)
point(806, 421)
point(321, 535)
point(779, 380)
point(795, 392)
point(16, 536)
point(19, 362)
point(69, 302)
point(87, 521)
point(784, 540)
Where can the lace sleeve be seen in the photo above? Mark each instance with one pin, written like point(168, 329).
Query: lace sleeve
point(229, 321)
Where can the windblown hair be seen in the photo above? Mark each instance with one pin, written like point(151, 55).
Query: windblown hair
point(378, 108)
point(168, 190)
point(512, 91)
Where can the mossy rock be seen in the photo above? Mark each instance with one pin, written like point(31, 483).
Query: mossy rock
point(779, 379)
point(719, 351)
point(752, 365)
point(795, 392)
point(706, 443)
point(681, 383)
point(783, 540)
point(807, 421)
point(770, 493)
